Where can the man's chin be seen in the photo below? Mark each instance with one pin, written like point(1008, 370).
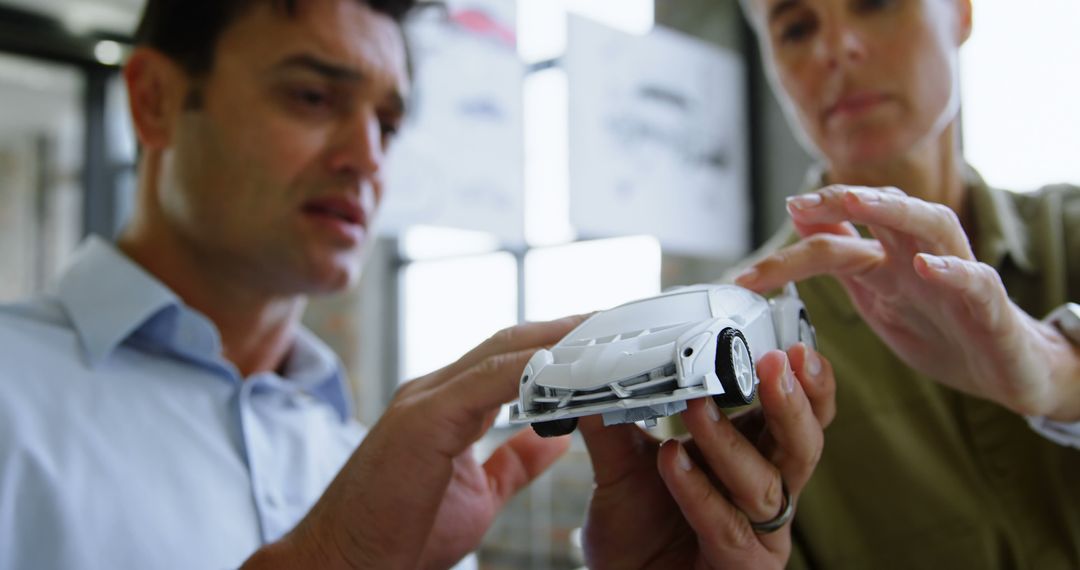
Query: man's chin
point(333, 279)
point(329, 270)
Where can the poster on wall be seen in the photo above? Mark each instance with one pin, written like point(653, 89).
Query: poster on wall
point(457, 162)
point(657, 139)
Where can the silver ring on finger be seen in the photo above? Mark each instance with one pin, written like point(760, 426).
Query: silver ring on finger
point(787, 510)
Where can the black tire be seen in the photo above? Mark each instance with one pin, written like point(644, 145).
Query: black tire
point(725, 369)
point(804, 324)
point(555, 428)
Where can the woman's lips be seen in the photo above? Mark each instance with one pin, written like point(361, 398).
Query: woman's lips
point(854, 104)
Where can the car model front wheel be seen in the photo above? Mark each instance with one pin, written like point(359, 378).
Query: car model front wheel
point(735, 368)
point(555, 428)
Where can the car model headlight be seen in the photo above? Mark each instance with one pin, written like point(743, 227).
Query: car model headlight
point(528, 388)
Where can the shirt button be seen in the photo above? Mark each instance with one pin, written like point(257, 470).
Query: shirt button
point(271, 500)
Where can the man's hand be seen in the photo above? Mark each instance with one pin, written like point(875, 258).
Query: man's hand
point(918, 286)
point(690, 505)
point(412, 495)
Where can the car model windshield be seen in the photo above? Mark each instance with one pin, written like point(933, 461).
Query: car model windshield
point(673, 309)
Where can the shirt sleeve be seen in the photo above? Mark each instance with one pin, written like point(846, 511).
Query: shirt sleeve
point(1061, 433)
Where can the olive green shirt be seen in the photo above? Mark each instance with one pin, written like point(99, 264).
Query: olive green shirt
point(917, 475)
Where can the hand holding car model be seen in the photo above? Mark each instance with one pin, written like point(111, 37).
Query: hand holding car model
point(413, 496)
point(697, 510)
point(918, 285)
point(723, 498)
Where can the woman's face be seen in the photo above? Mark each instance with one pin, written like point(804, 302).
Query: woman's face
point(867, 80)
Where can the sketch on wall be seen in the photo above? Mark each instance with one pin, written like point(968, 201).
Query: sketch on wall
point(458, 160)
point(657, 140)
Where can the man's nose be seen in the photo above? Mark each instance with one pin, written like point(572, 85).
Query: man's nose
point(359, 150)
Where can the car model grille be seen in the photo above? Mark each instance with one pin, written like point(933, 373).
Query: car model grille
point(659, 380)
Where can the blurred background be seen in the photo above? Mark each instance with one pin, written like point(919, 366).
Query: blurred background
point(562, 156)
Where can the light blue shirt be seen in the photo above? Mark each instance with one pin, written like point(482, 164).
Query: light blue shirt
point(127, 441)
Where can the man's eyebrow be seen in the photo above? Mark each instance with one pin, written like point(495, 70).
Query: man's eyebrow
point(779, 8)
point(322, 67)
point(336, 72)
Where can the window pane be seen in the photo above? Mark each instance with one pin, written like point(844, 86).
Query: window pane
point(452, 305)
point(547, 163)
point(590, 275)
point(1020, 88)
point(41, 125)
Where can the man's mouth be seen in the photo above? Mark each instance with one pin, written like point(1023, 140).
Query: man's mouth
point(344, 208)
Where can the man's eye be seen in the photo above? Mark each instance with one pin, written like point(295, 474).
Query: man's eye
point(873, 5)
point(312, 98)
point(797, 31)
point(388, 129)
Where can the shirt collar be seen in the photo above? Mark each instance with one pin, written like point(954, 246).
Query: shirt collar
point(110, 298)
point(999, 228)
point(314, 368)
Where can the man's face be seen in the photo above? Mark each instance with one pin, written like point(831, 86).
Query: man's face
point(276, 172)
point(866, 79)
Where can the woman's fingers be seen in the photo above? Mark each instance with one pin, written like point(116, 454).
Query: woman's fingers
point(935, 227)
point(818, 254)
point(977, 285)
point(841, 229)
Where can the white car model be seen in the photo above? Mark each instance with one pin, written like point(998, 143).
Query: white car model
point(643, 360)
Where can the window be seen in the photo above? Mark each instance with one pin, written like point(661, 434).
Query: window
point(1021, 123)
point(41, 136)
point(451, 305)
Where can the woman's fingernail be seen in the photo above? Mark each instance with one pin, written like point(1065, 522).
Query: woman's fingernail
point(934, 262)
point(682, 458)
point(866, 196)
point(805, 201)
point(813, 362)
point(712, 410)
point(748, 275)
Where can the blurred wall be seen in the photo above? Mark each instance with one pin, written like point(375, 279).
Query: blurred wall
point(779, 162)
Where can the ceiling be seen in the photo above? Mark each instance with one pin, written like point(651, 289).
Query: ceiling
point(81, 16)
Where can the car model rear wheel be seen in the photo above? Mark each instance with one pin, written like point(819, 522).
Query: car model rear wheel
point(735, 368)
point(555, 428)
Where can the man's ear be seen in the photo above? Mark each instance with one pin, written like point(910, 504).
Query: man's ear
point(963, 21)
point(156, 90)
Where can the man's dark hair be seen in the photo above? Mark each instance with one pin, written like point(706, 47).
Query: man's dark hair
point(188, 30)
